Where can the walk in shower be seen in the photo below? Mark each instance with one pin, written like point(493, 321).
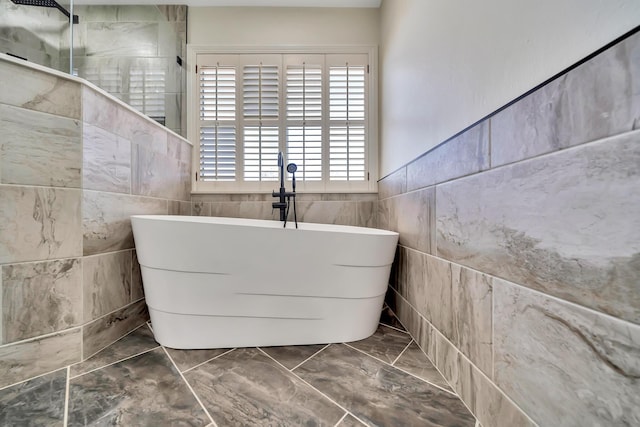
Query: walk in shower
point(135, 53)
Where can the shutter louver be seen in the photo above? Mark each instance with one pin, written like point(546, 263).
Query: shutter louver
point(146, 92)
point(347, 160)
point(304, 125)
point(217, 130)
point(261, 153)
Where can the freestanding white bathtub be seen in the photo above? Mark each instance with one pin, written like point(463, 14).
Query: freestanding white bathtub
point(228, 282)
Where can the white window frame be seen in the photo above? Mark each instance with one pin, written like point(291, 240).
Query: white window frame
point(325, 186)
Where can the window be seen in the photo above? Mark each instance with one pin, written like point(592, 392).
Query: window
point(316, 108)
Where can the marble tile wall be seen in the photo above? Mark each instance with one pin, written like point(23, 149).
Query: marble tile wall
point(518, 265)
point(71, 174)
point(130, 51)
point(344, 208)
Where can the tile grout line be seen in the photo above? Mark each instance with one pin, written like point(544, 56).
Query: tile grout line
point(346, 414)
point(366, 354)
point(310, 357)
point(65, 421)
point(112, 343)
point(208, 360)
point(189, 386)
point(113, 363)
point(401, 353)
point(33, 378)
point(393, 327)
point(312, 387)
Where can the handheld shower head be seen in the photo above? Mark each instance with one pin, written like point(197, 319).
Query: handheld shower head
point(292, 168)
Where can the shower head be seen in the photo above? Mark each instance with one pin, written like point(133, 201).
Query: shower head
point(292, 167)
point(47, 3)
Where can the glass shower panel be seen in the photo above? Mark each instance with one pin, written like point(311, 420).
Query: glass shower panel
point(35, 31)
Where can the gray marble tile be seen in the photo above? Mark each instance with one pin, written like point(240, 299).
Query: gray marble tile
point(413, 216)
point(466, 154)
point(187, 359)
point(595, 100)
point(137, 288)
point(418, 327)
point(417, 284)
point(119, 13)
point(291, 356)
point(99, 110)
point(245, 387)
point(39, 223)
point(157, 175)
point(393, 184)
point(567, 224)
point(106, 162)
point(136, 342)
point(367, 213)
point(106, 225)
point(386, 395)
point(110, 328)
point(37, 402)
point(387, 317)
point(40, 298)
point(39, 149)
point(106, 283)
point(244, 209)
point(114, 38)
point(416, 362)
point(177, 207)
point(143, 131)
point(27, 359)
point(174, 12)
point(39, 91)
point(326, 212)
point(472, 331)
point(350, 421)
point(590, 361)
point(199, 208)
point(385, 344)
point(439, 295)
point(145, 390)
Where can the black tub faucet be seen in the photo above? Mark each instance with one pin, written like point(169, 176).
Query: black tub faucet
point(284, 197)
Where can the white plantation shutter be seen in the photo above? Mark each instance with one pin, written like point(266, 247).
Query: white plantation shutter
point(304, 119)
point(261, 110)
point(347, 133)
point(146, 92)
point(217, 98)
point(313, 107)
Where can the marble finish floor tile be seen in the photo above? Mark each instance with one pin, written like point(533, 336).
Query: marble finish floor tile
point(385, 395)
point(37, 402)
point(385, 344)
point(136, 342)
point(414, 361)
point(142, 391)
point(389, 319)
point(187, 359)
point(245, 388)
point(350, 421)
point(293, 355)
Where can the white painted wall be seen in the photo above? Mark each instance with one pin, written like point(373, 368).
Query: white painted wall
point(283, 25)
point(445, 64)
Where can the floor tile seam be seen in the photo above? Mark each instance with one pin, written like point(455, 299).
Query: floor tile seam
point(69, 330)
point(193, 392)
point(65, 419)
point(367, 354)
point(208, 360)
point(113, 363)
point(452, 392)
point(312, 387)
point(310, 357)
point(346, 414)
point(102, 316)
point(33, 378)
point(394, 328)
point(402, 352)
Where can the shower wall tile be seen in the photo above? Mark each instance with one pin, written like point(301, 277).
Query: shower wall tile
point(26, 359)
point(173, 12)
point(177, 207)
point(413, 216)
point(599, 98)
point(106, 283)
point(465, 154)
point(589, 361)
point(105, 222)
point(107, 161)
point(393, 184)
point(39, 223)
point(142, 131)
point(115, 13)
point(487, 402)
point(39, 91)
point(115, 38)
point(99, 110)
point(110, 328)
point(39, 148)
point(158, 175)
point(567, 224)
point(328, 212)
point(25, 313)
